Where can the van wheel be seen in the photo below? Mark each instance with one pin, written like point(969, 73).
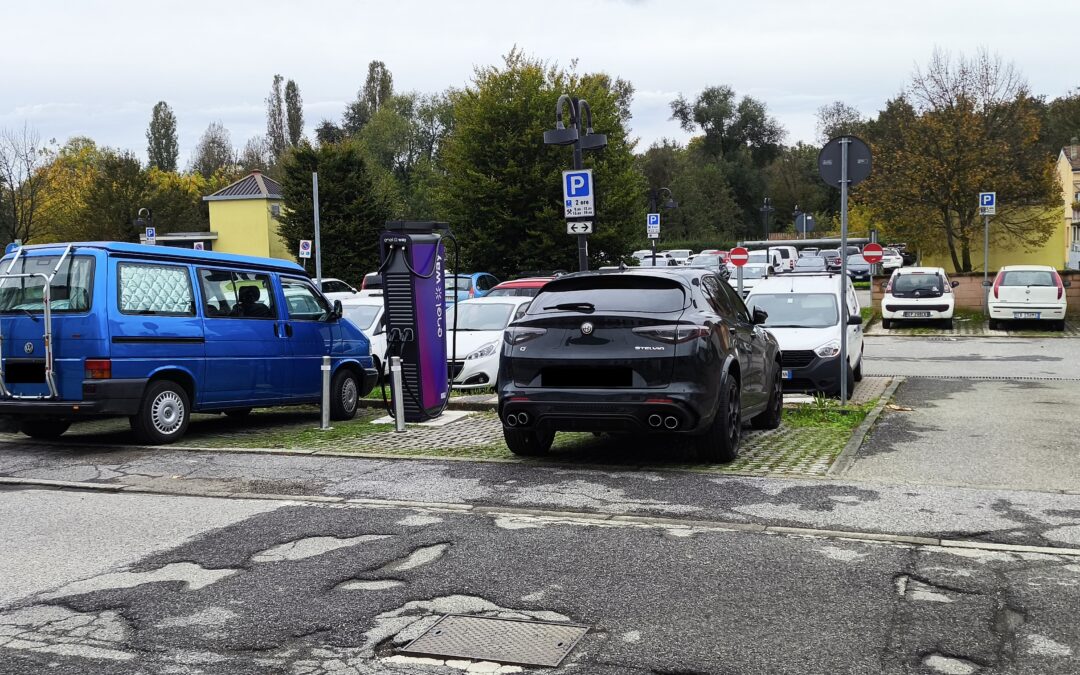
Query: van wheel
point(238, 413)
point(164, 414)
point(528, 443)
point(344, 395)
point(770, 418)
point(720, 442)
point(44, 429)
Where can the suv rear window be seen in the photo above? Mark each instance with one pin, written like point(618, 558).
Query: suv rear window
point(615, 293)
point(1027, 278)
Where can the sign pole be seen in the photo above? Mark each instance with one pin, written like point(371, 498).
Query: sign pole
point(582, 239)
point(844, 143)
point(986, 265)
point(738, 275)
point(318, 240)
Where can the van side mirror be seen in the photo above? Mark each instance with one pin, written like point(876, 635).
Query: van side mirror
point(955, 284)
point(338, 310)
point(760, 316)
point(854, 320)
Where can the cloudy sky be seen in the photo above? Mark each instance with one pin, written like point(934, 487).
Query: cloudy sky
point(97, 68)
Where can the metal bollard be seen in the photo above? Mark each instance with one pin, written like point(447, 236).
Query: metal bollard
point(324, 425)
point(396, 393)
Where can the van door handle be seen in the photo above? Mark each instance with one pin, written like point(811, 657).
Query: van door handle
point(288, 330)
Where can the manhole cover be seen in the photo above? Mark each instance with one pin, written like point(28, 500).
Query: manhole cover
point(526, 643)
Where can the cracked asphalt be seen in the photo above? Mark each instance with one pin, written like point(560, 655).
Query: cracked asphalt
point(172, 567)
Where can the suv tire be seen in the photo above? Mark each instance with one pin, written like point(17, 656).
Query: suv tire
point(528, 442)
point(164, 413)
point(770, 417)
point(44, 429)
point(720, 442)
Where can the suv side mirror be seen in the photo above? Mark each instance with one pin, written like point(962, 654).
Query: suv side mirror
point(955, 284)
point(760, 316)
point(854, 320)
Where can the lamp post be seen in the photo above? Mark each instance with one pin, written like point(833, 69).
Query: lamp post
point(144, 219)
point(654, 204)
point(766, 210)
point(581, 140)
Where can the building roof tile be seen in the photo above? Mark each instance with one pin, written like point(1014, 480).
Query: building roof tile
point(252, 186)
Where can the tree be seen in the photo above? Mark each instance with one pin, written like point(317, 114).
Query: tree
point(214, 151)
point(1062, 122)
point(966, 125)
point(328, 132)
point(351, 212)
point(377, 90)
point(68, 178)
point(501, 187)
point(838, 119)
point(113, 199)
point(294, 113)
point(793, 180)
point(256, 155)
point(162, 146)
point(21, 182)
point(275, 120)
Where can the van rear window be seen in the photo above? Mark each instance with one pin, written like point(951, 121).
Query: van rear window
point(615, 293)
point(71, 290)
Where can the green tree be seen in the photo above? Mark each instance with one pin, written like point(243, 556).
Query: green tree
point(214, 151)
point(162, 146)
point(22, 181)
point(377, 90)
point(328, 132)
point(113, 199)
point(276, 133)
point(351, 211)
point(792, 179)
point(1062, 122)
point(838, 119)
point(294, 113)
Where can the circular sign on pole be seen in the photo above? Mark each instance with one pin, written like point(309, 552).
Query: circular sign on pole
point(830, 161)
point(804, 223)
point(738, 256)
point(872, 253)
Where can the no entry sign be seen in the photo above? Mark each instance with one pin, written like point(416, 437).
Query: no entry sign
point(738, 256)
point(872, 253)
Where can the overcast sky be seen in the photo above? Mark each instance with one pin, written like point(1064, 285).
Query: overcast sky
point(97, 68)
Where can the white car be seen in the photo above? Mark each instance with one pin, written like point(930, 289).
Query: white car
point(367, 313)
point(752, 273)
point(641, 253)
point(788, 254)
point(770, 257)
point(918, 293)
point(336, 289)
point(804, 316)
point(891, 259)
point(1027, 292)
point(680, 255)
point(478, 336)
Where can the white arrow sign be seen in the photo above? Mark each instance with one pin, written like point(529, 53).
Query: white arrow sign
point(579, 227)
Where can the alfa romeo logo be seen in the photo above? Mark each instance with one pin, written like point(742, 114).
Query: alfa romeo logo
point(28, 348)
point(586, 328)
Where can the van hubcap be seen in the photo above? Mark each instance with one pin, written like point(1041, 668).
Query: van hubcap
point(167, 412)
point(348, 395)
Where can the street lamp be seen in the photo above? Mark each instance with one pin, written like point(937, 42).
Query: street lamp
point(144, 219)
point(766, 211)
point(581, 140)
point(654, 204)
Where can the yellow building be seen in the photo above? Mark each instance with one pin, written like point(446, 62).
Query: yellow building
point(245, 217)
point(1069, 173)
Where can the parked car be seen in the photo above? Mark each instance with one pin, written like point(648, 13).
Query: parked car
point(672, 352)
point(658, 260)
point(788, 255)
point(165, 332)
point(529, 286)
point(336, 289)
point(771, 257)
point(371, 284)
point(803, 313)
point(811, 264)
point(367, 313)
point(909, 257)
point(641, 253)
point(832, 258)
point(466, 286)
point(476, 334)
point(711, 251)
point(857, 268)
point(891, 259)
point(918, 293)
point(752, 273)
point(680, 255)
point(808, 252)
point(1028, 292)
point(711, 262)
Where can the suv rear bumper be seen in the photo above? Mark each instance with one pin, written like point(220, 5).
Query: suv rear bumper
point(100, 398)
point(648, 411)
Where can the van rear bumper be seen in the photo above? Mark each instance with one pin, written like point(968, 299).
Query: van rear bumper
point(100, 397)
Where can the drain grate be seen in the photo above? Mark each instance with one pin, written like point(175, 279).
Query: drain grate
point(516, 641)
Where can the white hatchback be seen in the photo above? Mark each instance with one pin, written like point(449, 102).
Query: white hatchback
point(1028, 292)
point(918, 294)
point(476, 334)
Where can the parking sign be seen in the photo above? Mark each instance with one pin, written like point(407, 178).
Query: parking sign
point(987, 203)
point(652, 225)
point(578, 194)
point(151, 235)
point(305, 248)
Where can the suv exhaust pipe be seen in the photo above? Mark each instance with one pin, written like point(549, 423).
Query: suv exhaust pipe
point(654, 421)
point(671, 422)
point(511, 420)
point(523, 419)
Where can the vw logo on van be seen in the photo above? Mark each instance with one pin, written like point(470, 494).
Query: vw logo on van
point(586, 328)
point(28, 347)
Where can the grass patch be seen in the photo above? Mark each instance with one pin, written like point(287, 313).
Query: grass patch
point(868, 315)
point(827, 413)
point(861, 285)
point(963, 314)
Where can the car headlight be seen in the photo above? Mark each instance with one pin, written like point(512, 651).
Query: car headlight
point(486, 350)
point(829, 349)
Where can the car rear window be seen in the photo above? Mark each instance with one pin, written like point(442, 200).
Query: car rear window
point(615, 293)
point(1027, 278)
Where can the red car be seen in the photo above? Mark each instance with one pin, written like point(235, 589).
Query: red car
point(529, 286)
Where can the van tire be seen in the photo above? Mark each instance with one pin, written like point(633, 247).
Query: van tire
point(164, 413)
point(858, 367)
point(238, 413)
point(44, 429)
point(344, 395)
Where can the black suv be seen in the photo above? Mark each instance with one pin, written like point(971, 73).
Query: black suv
point(664, 351)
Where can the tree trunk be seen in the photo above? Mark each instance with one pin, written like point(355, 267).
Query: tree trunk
point(950, 240)
point(966, 250)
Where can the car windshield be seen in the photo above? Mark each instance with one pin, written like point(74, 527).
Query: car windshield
point(857, 259)
point(909, 283)
point(831, 253)
point(706, 261)
point(457, 283)
point(637, 293)
point(70, 291)
point(797, 310)
point(362, 315)
point(1027, 278)
point(480, 316)
point(814, 263)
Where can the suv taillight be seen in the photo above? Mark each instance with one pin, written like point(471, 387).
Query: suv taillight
point(98, 369)
point(672, 334)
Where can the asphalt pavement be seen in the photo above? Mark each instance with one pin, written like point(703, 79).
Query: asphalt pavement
point(984, 357)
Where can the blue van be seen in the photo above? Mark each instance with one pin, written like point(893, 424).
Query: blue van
point(155, 333)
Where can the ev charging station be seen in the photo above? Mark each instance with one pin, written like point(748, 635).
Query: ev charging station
point(413, 267)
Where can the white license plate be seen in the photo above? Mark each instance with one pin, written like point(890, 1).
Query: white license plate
point(1026, 315)
point(917, 315)
point(785, 374)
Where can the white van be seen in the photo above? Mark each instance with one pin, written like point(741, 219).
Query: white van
point(789, 254)
point(772, 258)
point(804, 316)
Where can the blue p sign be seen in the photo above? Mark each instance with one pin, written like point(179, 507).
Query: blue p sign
point(654, 219)
point(987, 198)
point(577, 184)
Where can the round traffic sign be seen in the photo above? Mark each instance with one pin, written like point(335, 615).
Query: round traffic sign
point(872, 253)
point(830, 161)
point(738, 256)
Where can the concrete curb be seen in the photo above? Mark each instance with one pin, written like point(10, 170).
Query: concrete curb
point(581, 517)
point(844, 460)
